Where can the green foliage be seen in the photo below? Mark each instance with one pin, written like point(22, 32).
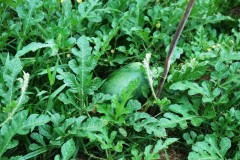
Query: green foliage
point(120, 105)
point(208, 95)
point(210, 148)
point(20, 124)
point(152, 152)
point(172, 119)
point(56, 55)
point(192, 137)
point(9, 86)
point(141, 121)
point(68, 149)
point(80, 82)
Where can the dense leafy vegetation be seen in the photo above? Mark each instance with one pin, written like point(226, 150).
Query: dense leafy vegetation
point(56, 56)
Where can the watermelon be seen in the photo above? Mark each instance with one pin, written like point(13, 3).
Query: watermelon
point(121, 78)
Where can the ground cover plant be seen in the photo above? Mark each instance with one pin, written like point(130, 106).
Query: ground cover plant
point(62, 63)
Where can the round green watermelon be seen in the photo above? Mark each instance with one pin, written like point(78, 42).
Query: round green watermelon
point(121, 78)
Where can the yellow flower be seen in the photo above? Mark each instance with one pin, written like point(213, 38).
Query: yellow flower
point(79, 1)
point(158, 25)
point(209, 49)
point(61, 1)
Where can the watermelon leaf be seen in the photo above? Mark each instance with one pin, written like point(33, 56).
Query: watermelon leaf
point(68, 149)
point(210, 148)
point(180, 115)
point(141, 121)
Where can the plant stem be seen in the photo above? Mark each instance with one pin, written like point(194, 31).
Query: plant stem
point(166, 154)
point(173, 46)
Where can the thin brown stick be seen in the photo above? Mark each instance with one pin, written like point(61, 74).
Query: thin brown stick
point(173, 46)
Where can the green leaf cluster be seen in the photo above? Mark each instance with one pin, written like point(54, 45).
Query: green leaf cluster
point(55, 55)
